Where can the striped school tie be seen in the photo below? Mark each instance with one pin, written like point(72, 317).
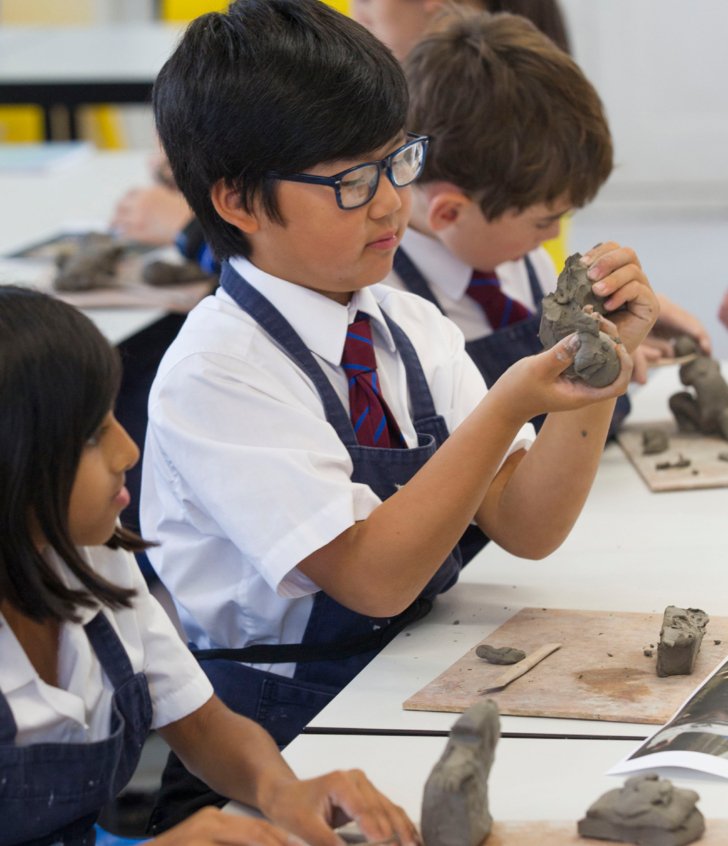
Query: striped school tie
point(500, 309)
point(374, 423)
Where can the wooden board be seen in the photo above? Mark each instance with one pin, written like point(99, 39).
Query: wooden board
point(706, 470)
point(600, 672)
point(564, 834)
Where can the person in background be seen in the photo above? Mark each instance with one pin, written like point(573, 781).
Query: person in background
point(723, 310)
point(90, 661)
point(321, 447)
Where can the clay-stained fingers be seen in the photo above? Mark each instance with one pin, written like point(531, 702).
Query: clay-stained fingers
point(212, 827)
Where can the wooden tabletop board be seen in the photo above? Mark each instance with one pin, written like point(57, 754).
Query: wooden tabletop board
point(600, 672)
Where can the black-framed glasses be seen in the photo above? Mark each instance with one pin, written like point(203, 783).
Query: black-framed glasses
point(356, 185)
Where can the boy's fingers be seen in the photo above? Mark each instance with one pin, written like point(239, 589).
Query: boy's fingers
point(597, 251)
point(564, 351)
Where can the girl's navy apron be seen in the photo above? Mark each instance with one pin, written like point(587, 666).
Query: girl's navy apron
point(495, 353)
point(53, 792)
point(337, 643)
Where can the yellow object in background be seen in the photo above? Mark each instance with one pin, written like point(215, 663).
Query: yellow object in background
point(20, 123)
point(186, 10)
point(558, 248)
point(340, 5)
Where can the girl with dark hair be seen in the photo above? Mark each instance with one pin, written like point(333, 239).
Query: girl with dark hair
point(90, 662)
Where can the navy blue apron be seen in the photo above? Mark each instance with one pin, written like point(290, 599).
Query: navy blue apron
point(337, 642)
point(53, 792)
point(495, 353)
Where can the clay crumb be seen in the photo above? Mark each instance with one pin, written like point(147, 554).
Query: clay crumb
point(456, 622)
point(723, 456)
point(717, 642)
point(648, 653)
point(610, 654)
point(584, 433)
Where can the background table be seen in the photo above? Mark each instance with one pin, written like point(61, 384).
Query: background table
point(78, 65)
point(37, 206)
point(630, 550)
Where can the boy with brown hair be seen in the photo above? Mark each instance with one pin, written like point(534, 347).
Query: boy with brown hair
point(519, 137)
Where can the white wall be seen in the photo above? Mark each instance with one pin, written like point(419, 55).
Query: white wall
point(661, 67)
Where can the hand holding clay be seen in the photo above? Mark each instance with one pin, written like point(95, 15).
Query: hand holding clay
point(622, 287)
point(537, 385)
point(574, 308)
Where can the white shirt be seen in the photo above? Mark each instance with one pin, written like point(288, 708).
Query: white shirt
point(79, 709)
point(243, 477)
point(449, 278)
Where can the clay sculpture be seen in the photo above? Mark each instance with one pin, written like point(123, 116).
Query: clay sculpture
point(654, 441)
point(648, 811)
point(92, 264)
point(705, 411)
point(680, 638)
point(455, 800)
point(573, 307)
point(161, 273)
point(499, 654)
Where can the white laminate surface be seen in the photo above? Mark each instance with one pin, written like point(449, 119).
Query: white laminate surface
point(631, 550)
point(530, 779)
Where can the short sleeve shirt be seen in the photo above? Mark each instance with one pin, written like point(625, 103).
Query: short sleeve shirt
point(244, 477)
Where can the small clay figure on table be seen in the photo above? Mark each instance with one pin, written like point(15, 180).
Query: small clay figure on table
point(573, 307)
point(680, 638)
point(648, 811)
point(654, 441)
point(499, 654)
point(705, 411)
point(455, 800)
point(92, 264)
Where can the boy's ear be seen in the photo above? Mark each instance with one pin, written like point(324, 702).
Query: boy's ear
point(226, 201)
point(445, 208)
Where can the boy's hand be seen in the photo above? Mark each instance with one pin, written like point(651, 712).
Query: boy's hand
point(535, 384)
point(311, 809)
point(619, 278)
point(212, 827)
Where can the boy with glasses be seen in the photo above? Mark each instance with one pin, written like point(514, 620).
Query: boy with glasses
point(319, 444)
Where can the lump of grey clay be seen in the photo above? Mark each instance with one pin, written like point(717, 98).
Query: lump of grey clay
point(706, 409)
point(161, 273)
point(573, 307)
point(91, 265)
point(647, 810)
point(455, 800)
point(654, 441)
point(680, 638)
point(499, 654)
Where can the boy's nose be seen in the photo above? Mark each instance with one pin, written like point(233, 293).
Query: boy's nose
point(387, 199)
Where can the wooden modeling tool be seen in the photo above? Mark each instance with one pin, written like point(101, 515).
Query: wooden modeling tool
point(517, 670)
point(666, 361)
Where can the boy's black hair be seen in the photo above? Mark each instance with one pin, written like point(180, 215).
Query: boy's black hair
point(58, 379)
point(273, 85)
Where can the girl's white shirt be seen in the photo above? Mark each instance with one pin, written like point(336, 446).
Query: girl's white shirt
point(78, 710)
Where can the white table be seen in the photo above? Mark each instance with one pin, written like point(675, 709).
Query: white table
point(530, 779)
point(34, 207)
point(631, 550)
point(75, 65)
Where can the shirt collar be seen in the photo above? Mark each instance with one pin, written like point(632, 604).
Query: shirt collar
point(444, 271)
point(321, 322)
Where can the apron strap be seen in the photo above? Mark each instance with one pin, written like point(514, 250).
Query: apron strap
point(8, 726)
point(285, 653)
point(109, 650)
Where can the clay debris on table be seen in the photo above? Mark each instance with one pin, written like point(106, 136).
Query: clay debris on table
point(499, 654)
point(648, 811)
point(573, 307)
point(680, 638)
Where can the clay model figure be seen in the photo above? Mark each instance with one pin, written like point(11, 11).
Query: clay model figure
point(455, 800)
point(161, 273)
point(654, 441)
point(680, 638)
point(573, 307)
point(648, 811)
point(92, 264)
point(705, 411)
point(499, 654)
